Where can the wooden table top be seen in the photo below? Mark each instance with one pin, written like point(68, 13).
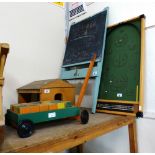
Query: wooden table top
point(60, 135)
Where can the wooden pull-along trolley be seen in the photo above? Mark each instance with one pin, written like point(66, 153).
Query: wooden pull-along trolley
point(24, 123)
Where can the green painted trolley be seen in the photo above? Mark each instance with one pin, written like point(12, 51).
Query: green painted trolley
point(24, 123)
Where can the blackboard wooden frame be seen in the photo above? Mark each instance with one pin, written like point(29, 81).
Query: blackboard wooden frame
point(138, 104)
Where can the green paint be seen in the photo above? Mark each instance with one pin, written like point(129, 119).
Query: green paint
point(121, 66)
point(68, 104)
point(44, 116)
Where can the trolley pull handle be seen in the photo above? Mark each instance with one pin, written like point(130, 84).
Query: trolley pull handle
point(84, 86)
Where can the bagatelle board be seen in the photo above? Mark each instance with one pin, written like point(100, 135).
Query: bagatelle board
point(86, 38)
point(121, 86)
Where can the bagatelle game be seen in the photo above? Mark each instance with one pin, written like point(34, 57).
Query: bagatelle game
point(121, 87)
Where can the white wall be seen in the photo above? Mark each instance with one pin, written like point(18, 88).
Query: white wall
point(118, 141)
point(35, 32)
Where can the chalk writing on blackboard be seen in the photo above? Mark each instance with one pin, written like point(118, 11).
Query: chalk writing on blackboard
point(85, 38)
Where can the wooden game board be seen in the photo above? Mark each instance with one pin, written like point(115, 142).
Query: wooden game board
point(121, 84)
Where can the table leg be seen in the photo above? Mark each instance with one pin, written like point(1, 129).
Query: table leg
point(133, 137)
point(1, 134)
point(77, 149)
point(80, 148)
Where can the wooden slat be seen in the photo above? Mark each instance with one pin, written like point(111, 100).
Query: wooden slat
point(28, 91)
point(35, 85)
point(2, 63)
point(117, 101)
point(1, 81)
point(85, 83)
point(50, 83)
point(58, 83)
point(4, 49)
point(116, 112)
point(141, 94)
point(1, 121)
point(1, 134)
point(1, 107)
point(133, 137)
point(128, 20)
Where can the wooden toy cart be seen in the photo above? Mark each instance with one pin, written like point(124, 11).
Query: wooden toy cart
point(25, 122)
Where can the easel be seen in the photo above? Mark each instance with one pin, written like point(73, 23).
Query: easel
point(4, 49)
point(80, 73)
point(78, 70)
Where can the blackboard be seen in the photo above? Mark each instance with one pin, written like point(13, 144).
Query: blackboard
point(85, 39)
point(120, 78)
